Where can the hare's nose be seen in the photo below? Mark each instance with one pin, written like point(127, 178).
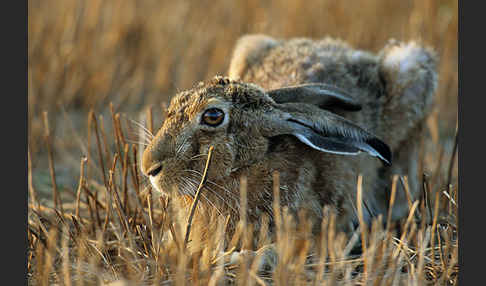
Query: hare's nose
point(151, 164)
point(154, 170)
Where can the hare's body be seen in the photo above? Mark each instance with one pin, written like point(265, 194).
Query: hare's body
point(300, 108)
point(395, 89)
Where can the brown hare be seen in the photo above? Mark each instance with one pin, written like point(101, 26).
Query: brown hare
point(317, 111)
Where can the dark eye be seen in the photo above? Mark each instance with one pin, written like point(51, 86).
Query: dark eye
point(213, 117)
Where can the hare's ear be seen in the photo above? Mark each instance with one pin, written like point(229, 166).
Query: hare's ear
point(323, 95)
point(249, 51)
point(326, 131)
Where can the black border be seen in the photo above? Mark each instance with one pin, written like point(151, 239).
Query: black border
point(470, 156)
point(460, 134)
point(14, 134)
point(22, 98)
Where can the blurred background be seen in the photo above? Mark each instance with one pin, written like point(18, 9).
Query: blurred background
point(134, 55)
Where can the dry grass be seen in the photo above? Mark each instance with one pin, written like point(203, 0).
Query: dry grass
point(109, 234)
point(96, 65)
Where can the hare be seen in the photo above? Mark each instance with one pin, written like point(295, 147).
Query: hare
point(318, 112)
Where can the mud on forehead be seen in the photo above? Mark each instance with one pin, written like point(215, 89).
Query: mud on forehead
point(189, 102)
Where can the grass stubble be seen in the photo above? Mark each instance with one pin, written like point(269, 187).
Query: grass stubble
point(101, 237)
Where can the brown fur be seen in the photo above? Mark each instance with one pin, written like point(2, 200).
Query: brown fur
point(396, 88)
point(257, 137)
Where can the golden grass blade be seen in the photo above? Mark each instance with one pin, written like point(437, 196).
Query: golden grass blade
point(404, 182)
point(362, 224)
point(66, 262)
point(126, 204)
point(451, 162)
point(47, 138)
point(405, 228)
point(32, 191)
point(196, 198)
point(100, 153)
point(150, 121)
point(391, 202)
point(105, 139)
point(80, 184)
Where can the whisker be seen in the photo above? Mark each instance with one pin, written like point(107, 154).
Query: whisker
point(194, 184)
point(193, 171)
point(232, 196)
point(188, 188)
point(213, 183)
point(209, 201)
point(147, 132)
point(197, 156)
point(137, 138)
point(138, 142)
point(179, 149)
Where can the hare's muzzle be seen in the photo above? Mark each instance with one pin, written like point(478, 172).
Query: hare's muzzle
point(150, 166)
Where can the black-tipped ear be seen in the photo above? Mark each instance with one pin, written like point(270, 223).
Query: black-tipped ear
point(381, 149)
point(322, 95)
point(324, 131)
point(350, 141)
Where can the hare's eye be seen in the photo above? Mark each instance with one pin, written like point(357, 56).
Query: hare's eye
point(212, 117)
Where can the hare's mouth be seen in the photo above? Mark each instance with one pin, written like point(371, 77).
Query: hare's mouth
point(155, 185)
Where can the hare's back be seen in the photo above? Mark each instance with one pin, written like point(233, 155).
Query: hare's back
point(274, 63)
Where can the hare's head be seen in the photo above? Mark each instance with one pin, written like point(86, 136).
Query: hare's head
point(246, 124)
